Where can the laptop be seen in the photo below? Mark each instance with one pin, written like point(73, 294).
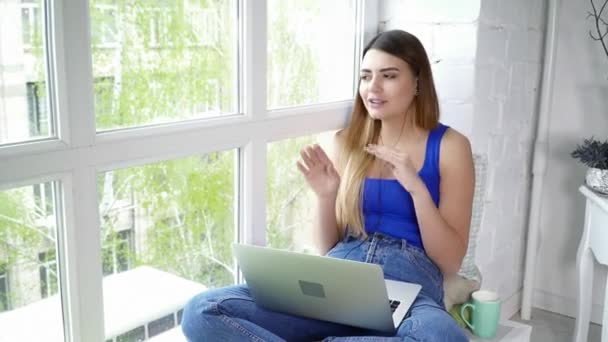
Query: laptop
point(330, 289)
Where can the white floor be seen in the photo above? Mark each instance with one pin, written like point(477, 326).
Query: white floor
point(551, 327)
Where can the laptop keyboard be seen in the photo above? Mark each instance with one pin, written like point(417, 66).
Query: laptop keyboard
point(394, 304)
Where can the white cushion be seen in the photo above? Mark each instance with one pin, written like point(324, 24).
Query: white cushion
point(468, 268)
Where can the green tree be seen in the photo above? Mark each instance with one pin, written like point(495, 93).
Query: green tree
point(26, 231)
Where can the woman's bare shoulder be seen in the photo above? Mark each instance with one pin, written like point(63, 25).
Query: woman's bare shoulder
point(455, 148)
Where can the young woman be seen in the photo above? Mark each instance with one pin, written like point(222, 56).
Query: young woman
point(398, 193)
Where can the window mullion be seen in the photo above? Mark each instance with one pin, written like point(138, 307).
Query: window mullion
point(74, 74)
point(74, 81)
point(70, 69)
point(366, 27)
point(253, 156)
point(254, 41)
point(82, 257)
point(253, 192)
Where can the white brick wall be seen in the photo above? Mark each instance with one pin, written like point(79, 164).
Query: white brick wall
point(488, 88)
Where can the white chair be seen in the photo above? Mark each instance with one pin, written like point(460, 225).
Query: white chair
point(458, 287)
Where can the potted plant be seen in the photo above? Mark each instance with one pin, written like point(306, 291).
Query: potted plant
point(594, 154)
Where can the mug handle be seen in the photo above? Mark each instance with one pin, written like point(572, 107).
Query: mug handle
point(462, 309)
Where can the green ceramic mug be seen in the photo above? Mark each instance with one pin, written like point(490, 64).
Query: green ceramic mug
point(485, 313)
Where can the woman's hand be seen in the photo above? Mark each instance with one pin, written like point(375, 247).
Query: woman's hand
point(319, 171)
point(400, 164)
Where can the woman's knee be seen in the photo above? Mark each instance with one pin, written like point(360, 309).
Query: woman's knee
point(197, 311)
point(434, 325)
point(201, 314)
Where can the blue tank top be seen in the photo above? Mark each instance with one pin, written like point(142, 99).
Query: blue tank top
point(389, 209)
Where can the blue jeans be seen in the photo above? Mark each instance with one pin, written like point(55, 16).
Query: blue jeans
point(230, 314)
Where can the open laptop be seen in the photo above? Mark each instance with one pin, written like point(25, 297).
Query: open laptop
point(325, 288)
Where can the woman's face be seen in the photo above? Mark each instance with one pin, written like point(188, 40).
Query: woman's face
point(387, 85)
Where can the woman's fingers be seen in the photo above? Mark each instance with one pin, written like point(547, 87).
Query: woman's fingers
point(306, 158)
point(321, 155)
point(302, 168)
point(384, 153)
point(312, 153)
point(315, 158)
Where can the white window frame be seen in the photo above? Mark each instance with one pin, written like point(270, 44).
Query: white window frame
point(76, 158)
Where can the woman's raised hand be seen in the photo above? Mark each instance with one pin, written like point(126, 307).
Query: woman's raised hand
point(401, 165)
point(319, 171)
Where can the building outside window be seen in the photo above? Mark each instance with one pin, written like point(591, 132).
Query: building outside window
point(30, 21)
point(48, 273)
point(4, 288)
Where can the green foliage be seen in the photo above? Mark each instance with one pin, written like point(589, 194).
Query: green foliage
point(23, 234)
point(21, 237)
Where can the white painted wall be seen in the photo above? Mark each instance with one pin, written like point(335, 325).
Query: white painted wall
point(579, 110)
point(490, 55)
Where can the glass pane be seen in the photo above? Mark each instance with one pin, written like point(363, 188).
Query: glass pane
point(162, 61)
point(310, 51)
point(24, 113)
point(166, 232)
point(29, 278)
point(290, 203)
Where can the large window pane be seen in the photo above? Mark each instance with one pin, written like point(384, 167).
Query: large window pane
point(166, 232)
point(310, 51)
point(29, 273)
point(290, 202)
point(24, 113)
point(162, 61)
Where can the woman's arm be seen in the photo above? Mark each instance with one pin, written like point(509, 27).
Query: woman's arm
point(324, 179)
point(325, 230)
point(445, 230)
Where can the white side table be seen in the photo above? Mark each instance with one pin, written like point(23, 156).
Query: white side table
point(594, 243)
point(507, 331)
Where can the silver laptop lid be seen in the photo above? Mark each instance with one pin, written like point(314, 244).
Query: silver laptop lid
point(330, 289)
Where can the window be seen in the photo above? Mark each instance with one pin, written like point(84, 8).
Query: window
point(150, 137)
point(4, 288)
point(289, 200)
point(31, 22)
point(169, 64)
point(118, 252)
point(151, 329)
point(181, 215)
point(180, 212)
point(205, 27)
point(43, 198)
point(24, 107)
point(29, 270)
point(318, 64)
point(48, 273)
point(162, 324)
point(38, 113)
point(137, 334)
point(103, 22)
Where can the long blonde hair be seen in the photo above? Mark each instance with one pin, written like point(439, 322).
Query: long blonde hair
point(353, 161)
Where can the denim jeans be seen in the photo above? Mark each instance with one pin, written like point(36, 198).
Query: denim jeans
point(230, 314)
